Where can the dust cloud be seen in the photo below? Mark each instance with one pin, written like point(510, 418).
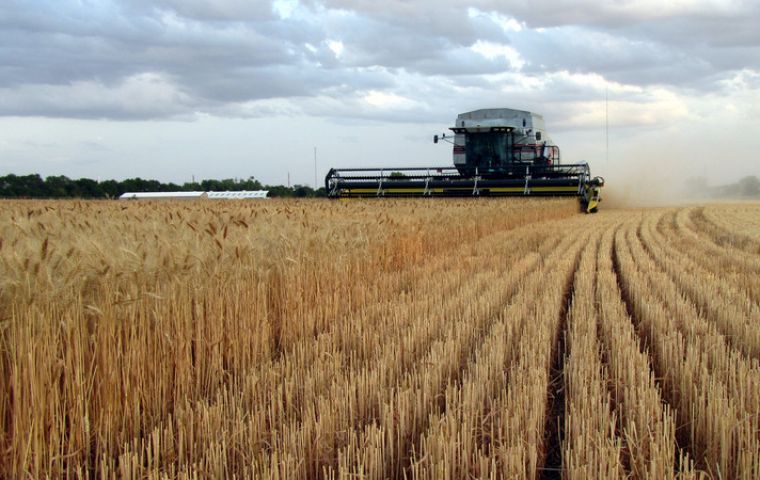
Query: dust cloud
point(670, 168)
point(643, 191)
point(654, 185)
point(646, 182)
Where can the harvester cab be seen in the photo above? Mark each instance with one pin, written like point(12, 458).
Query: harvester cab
point(496, 152)
point(498, 142)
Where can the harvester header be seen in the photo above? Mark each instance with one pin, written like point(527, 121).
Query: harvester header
point(496, 152)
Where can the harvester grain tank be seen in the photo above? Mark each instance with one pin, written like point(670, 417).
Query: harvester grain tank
point(496, 152)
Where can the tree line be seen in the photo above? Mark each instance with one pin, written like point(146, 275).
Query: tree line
point(34, 186)
point(699, 187)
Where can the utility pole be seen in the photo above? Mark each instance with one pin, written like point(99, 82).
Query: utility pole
point(315, 169)
point(288, 179)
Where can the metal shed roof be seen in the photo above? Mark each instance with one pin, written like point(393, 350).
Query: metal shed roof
point(162, 195)
point(239, 194)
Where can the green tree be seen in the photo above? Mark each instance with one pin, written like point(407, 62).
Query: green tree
point(303, 191)
point(88, 188)
point(748, 186)
point(59, 186)
point(23, 186)
point(111, 188)
point(279, 191)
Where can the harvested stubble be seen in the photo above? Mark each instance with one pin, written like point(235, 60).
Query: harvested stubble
point(491, 338)
point(591, 449)
point(462, 440)
point(739, 269)
point(733, 225)
point(733, 310)
point(418, 393)
point(646, 425)
point(713, 388)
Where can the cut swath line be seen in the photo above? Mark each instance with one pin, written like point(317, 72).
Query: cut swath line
point(555, 418)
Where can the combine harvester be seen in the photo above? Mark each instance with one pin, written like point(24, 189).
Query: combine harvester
point(497, 152)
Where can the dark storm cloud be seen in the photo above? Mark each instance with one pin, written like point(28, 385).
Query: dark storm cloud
point(413, 52)
point(175, 58)
point(689, 44)
point(447, 23)
point(209, 62)
point(212, 54)
point(230, 10)
point(628, 60)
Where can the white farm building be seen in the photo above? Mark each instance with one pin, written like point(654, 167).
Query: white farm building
point(162, 195)
point(240, 195)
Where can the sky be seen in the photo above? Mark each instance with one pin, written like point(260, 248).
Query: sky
point(183, 89)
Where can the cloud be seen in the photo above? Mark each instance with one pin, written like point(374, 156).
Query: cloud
point(169, 59)
point(552, 13)
point(145, 95)
point(227, 10)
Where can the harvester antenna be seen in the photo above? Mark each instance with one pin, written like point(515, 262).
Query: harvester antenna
point(606, 124)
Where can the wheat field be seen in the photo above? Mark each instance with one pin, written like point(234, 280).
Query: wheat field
point(444, 339)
